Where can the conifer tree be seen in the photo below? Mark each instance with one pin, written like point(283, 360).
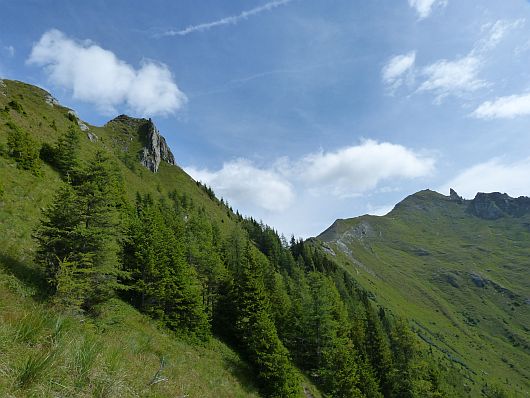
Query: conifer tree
point(378, 351)
point(254, 328)
point(66, 151)
point(23, 149)
point(80, 232)
point(162, 283)
point(58, 236)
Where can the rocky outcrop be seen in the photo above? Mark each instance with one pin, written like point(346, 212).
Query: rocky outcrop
point(156, 148)
point(453, 196)
point(492, 206)
point(82, 126)
point(51, 100)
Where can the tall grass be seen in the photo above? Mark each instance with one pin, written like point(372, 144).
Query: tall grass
point(34, 368)
point(84, 359)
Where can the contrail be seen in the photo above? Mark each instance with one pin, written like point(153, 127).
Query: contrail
point(227, 20)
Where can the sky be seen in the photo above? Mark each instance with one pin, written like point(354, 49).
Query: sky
point(298, 112)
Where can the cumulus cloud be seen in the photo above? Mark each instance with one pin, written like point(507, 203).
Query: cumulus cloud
point(247, 186)
point(356, 169)
point(425, 7)
point(492, 176)
point(97, 76)
point(507, 107)
point(397, 68)
point(347, 172)
point(231, 20)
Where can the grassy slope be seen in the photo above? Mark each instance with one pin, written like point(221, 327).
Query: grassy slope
point(420, 261)
point(123, 347)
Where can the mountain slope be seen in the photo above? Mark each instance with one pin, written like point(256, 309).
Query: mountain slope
point(460, 270)
point(134, 343)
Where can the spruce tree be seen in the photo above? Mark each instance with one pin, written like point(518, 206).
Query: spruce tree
point(80, 232)
point(23, 149)
point(66, 151)
point(378, 351)
point(58, 236)
point(254, 328)
point(162, 283)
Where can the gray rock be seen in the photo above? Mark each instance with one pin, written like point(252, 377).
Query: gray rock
point(80, 123)
point(156, 148)
point(453, 196)
point(92, 137)
point(478, 280)
point(51, 100)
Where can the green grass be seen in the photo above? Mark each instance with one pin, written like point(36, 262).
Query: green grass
point(420, 261)
point(117, 354)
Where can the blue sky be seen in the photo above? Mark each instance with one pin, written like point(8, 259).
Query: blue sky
point(298, 112)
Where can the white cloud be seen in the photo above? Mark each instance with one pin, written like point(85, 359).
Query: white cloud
point(425, 7)
point(507, 107)
point(393, 72)
point(497, 32)
point(314, 189)
point(492, 176)
point(231, 20)
point(356, 169)
point(461, 75)
point(97, 76)
point(347, 172)
point(247, 186)
point(453, 77)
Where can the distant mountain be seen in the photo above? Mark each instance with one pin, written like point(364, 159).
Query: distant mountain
point(459, 269)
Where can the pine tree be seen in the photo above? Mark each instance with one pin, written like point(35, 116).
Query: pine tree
point(98, 190)
point(254, 328)
point(80, 232)
point(23, 149)
point(378, 351)
point(404, 352)
point(162, 283)
point(203, 254)
point(66, 151)
point(58, 236)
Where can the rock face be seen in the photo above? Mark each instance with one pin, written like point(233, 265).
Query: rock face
point(492, 206)
point(454, 196)
point(155, 149)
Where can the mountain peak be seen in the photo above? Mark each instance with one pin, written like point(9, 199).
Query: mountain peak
point(155, 148)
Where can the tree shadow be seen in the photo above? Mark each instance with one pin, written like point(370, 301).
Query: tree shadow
point(243, 372)
point(32, 277)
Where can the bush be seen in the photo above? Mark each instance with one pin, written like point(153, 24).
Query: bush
point(16, 106)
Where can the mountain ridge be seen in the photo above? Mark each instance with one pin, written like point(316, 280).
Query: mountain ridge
point(456, 267)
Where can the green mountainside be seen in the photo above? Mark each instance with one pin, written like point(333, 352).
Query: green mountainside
point(121, 276)
point(458, 269)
